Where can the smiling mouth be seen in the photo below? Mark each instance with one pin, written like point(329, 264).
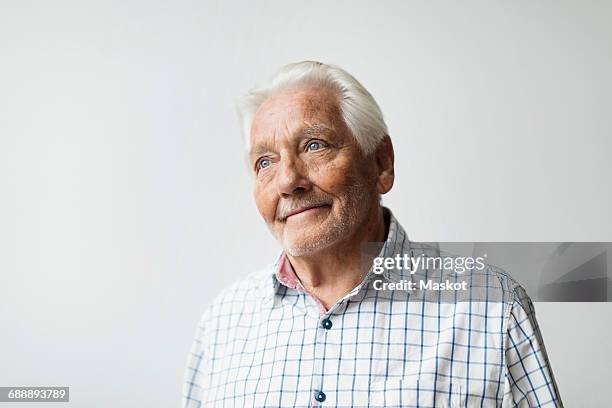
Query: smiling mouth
point(305, 209)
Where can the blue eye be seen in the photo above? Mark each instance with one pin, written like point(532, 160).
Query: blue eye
point(263, 163)
point(312, 146)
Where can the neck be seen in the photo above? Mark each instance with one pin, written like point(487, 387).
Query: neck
point(334, 271)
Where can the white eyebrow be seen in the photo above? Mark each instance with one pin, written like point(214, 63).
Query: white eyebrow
point(314, 130)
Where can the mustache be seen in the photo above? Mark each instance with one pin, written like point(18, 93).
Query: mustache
point(285, 208)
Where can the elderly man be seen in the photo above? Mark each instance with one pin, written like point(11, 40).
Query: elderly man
point(316, 327)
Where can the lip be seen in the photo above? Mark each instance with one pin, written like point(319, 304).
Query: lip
point(303, 209)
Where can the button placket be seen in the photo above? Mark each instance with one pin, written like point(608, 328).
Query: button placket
point(324, 326)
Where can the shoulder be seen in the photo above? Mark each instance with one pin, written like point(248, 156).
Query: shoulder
point(244, 293)
point(495, 284)
point(504, 279)
point(487, 282)
point(514, 292)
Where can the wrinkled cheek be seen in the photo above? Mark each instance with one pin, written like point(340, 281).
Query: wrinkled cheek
point(330, 174)
point(316, 168)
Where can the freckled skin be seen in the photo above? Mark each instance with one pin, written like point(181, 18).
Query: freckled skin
point(332, 173)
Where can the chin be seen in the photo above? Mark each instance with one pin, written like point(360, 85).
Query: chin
point(303, 243)
point(302, 250)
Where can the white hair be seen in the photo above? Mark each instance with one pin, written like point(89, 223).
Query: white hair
point(359, 110)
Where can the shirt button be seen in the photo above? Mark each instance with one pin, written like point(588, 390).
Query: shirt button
point(327, 324)
point(320, 396)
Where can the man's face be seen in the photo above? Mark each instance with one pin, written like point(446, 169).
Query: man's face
point(313, 185)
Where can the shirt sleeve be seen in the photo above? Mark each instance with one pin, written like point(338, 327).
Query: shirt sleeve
point(529, 380)
point(196, 372)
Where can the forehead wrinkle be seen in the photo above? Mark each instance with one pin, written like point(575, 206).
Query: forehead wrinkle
point(305, 110)
point(316, 129)
point(272, 143)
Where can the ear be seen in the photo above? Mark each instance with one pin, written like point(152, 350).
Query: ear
point(384, 165)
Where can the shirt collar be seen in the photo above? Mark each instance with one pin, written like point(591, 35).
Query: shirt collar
point(396, 243)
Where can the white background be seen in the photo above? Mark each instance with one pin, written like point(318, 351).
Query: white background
point(125, 204)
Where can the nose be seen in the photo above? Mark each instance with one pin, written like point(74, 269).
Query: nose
point(291, 177)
